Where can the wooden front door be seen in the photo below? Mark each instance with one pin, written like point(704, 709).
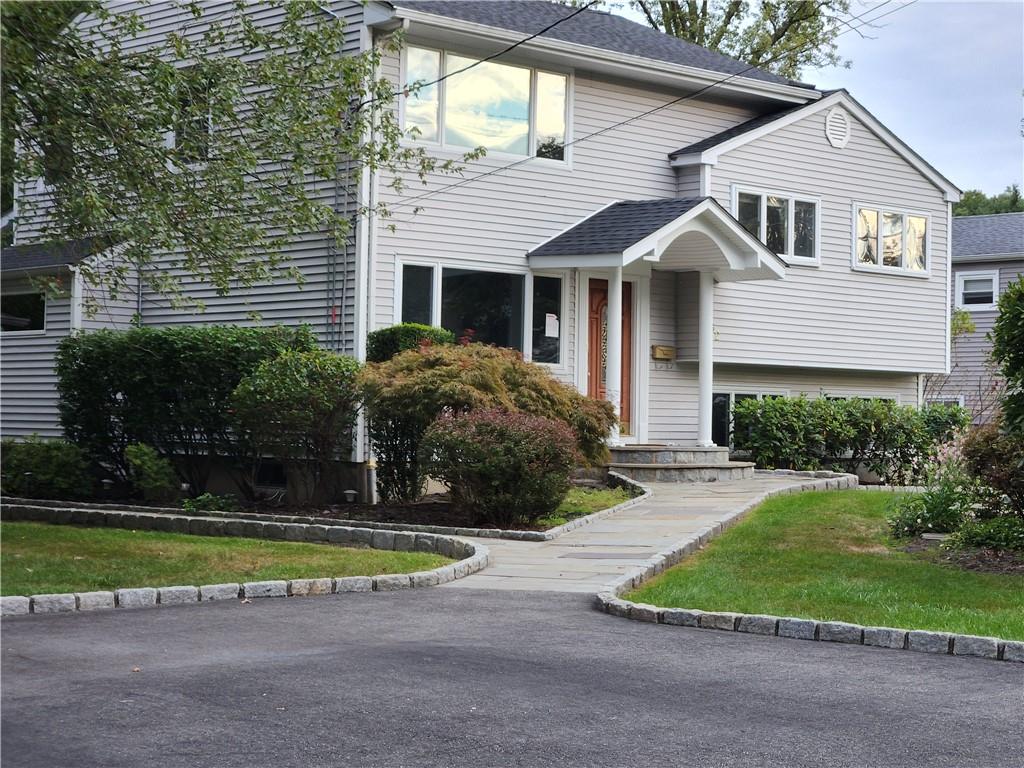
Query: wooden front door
point(597, 349)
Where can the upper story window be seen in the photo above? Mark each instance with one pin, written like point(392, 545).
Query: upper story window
point(977, 291)
point(787, 224)
point(21, 312)
point(507, 109)
point(890, 240)
point(193, 125)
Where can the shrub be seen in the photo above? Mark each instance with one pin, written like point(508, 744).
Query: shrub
point(1008, 350)
point(996, 533)
point(300, 408)
point(997, 458)
point(947, 501)
point(45, 469)
point(385, 343)
point(503, 468)
point(943, 422)
point(166, 387)
point(778, 432)
point(404, 395)
point(211, 502)
point(151, 474)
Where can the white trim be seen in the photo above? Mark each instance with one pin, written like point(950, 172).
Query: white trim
point(641, 384)
point(981, 274)
point(951, 191)
point(705, 180)
point(949, 291)
point(77, 290)
point(46, 309)
point(440, 144)
point(764, 193)
point(562, 366)
point(600, 59)
point(879, 268)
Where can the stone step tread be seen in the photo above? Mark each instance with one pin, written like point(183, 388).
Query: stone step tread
point(730, 465)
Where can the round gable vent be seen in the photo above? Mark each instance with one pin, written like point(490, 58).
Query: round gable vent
point(837, 127)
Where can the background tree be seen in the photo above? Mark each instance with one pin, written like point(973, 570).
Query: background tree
point(209, 149)
point(781, 36)
point(974, 202)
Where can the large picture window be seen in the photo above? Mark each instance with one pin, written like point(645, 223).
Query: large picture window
point(507, 109)
point(787, 224)
point(890, 240)
point(21, 312)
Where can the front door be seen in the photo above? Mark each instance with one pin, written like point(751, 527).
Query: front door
point(597, 350)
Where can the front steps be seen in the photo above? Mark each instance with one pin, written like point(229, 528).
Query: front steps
point(677, 464)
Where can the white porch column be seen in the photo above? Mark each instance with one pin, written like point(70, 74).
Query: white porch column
point(613, 371)
point(705, 353)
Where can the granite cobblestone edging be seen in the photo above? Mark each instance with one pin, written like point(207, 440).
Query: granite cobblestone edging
point(471, 557)
point(441, 530)
point(609, 600)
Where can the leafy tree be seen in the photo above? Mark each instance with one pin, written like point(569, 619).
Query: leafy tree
point(270, 126)
point(974, 202)
point(781, 36)
point(1008, 350)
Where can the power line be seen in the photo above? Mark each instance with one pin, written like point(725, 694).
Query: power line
point(409, 201)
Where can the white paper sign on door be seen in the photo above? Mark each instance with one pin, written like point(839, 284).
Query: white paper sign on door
point(551, 325)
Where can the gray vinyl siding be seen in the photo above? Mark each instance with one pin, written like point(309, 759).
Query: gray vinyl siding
point(28, 384)
point(325, 299)
point(832, 315)
point(973, 377)
point(688, 181)
point(493, 222)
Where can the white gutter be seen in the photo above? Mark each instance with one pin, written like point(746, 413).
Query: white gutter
point(621, 64)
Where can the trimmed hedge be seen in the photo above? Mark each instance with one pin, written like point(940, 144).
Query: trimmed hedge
point(891, 440)
point(385, 343)
point(44, 469)
point(169, 388)
point(406, 394)
point(503, 468)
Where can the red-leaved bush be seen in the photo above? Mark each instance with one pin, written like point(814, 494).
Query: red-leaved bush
point(502, 468)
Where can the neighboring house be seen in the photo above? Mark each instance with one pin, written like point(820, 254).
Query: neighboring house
point(988, 255)
point(762, 238)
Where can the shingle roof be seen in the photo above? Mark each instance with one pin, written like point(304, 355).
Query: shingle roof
point(23, 258)
point(615, 228)
point(1000, 234)
point(736, 130)
point(596, 29)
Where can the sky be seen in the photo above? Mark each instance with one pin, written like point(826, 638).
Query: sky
point(948, 79)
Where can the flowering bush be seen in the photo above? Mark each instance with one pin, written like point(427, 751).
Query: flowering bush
point(502, 468)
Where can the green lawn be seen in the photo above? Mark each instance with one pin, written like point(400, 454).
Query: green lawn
point(826, 555)
point(584, 501)
point(36, 558)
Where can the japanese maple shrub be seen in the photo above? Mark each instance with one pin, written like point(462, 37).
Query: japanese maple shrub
point(502, 469)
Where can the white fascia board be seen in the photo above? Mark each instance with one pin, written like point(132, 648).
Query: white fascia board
point(710, 156)
point(623, 64)
point(583, 261)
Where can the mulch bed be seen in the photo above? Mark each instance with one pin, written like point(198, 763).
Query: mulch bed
point(981, 560)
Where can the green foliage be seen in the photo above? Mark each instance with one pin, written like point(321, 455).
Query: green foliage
point(211, 502)
point(995, 533)
point(892, 441)
point(779, 37)
point(385, 343)
point(997, 458)
point(947, 501)
point(90, 112)
point(404, 395)
point(151, 473)
point(1008, 351)
point(169, 388)
point(961, 323)
point(44, 469)
point(505, 468)
point(974, 202)
point(300, 407)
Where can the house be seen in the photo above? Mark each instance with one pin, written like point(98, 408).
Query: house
point(987, 255)
point(660, 225)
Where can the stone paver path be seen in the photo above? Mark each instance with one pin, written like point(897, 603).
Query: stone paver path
point(586, 559)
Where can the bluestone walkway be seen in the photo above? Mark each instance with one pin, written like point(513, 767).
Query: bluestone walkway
point(586, 559)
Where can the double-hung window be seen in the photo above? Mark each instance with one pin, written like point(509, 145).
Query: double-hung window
point(508, 109)
point(977, 291)
point(887, 239)
point(487, 307)
point(786, 224)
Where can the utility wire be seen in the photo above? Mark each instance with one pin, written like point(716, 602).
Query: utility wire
point(410, 201)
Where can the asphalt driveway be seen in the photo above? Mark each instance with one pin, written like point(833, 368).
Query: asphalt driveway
point(483, 678)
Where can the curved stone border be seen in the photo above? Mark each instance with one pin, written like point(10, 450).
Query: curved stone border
point(472, 556)
point(442, 530)
point(609, 600)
